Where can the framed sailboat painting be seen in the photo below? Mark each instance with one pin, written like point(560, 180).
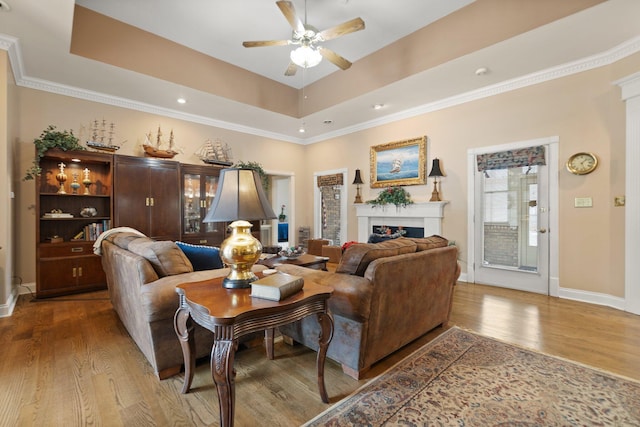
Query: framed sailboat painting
point(399, 163)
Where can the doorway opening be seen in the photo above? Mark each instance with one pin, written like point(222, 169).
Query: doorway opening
point(513, 216)
point(330, 206)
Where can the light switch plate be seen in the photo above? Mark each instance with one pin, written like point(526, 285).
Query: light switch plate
point(583, 202)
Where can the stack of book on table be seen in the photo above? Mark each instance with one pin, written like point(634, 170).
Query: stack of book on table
point(276, 287)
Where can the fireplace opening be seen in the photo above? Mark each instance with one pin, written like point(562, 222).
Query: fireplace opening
point(385, 232)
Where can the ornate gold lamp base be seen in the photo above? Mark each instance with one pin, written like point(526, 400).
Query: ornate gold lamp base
point(358, 196)
point(240, 251)
point(435, 196)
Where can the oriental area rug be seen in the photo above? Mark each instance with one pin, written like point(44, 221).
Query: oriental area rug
point(464, 379)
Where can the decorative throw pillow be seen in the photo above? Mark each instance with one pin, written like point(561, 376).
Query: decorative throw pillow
point(202, 257)
point(165, 256)
point(123, 239)
point(357, 258)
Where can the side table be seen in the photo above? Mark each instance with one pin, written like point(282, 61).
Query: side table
point(232, 313)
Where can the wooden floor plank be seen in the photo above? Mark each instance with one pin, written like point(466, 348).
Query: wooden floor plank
point(69, 361)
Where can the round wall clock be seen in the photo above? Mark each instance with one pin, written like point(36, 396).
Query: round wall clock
point(582, 163)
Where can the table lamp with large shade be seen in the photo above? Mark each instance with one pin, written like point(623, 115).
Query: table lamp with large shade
point(240, 198)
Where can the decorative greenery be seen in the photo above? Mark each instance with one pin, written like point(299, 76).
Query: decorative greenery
point(282, 217)
point(392, 195)
point(51, 138)
point(258, 168)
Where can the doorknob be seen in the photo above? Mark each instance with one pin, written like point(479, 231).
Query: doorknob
point(542, 230)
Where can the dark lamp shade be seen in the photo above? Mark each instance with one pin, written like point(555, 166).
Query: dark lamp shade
point(358, 178)
point(239, 196)
point(435, 168)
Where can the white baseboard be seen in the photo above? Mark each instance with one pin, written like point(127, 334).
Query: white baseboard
point(593, 298)
point(6, 309)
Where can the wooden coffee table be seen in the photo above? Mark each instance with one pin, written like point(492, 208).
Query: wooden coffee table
point(304, 260)
point(232, 313)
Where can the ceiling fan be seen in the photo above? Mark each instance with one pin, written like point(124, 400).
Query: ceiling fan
point(308, 38)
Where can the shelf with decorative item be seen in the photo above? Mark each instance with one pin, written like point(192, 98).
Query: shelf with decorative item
point(73, 204)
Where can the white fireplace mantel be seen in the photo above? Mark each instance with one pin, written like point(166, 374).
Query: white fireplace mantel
point(427, 215)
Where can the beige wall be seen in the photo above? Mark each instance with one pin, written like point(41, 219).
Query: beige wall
point(5, 180)
point(583, 110)
point(7, 183)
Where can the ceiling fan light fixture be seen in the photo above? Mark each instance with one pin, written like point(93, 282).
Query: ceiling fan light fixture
point(305, 56)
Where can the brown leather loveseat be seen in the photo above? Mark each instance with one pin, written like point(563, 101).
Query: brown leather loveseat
point(385, 296)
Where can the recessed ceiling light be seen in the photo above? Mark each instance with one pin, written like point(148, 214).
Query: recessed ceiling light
point(4, 6)
point(328, 122)
point(377, 106)
point(482, 71)
point(180, 100)
point(302, 129)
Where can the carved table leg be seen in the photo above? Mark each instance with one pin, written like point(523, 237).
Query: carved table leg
point(222, 357)
point(268, 342)
point(183, 326)
point(326, 333)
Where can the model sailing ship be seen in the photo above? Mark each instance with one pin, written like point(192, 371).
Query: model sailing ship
point(154, 150)
point(215, 153)
point(97, 140)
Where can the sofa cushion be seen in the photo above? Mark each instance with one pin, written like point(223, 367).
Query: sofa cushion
point(202, 257)
point(123, 239)
point(356, 258)
point(431, 242)
point(165, 256)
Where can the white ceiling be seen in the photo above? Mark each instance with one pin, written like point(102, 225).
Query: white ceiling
point(37, 35)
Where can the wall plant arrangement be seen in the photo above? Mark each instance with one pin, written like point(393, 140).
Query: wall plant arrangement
point(392, 195)
point(51, 138)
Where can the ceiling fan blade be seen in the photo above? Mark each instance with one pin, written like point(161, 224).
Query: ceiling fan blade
point(289, 12)
point(333, 57)
point(266, 43)
point(352, 26)
point(291, 69)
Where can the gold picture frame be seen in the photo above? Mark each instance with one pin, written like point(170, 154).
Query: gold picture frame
point(399, 163)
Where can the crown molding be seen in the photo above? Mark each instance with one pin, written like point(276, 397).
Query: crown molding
point(630, 47)
point(608, 57)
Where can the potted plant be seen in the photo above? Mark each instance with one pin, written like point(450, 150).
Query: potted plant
point(258, 168)
point(51, 138)
point(282, 217)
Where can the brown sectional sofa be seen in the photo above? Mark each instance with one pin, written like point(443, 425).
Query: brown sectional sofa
point(385, 296)
point(141, 277)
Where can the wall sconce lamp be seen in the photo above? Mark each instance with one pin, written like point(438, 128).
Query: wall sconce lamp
point(240, 198)
point(358, 182)
point(435, 173)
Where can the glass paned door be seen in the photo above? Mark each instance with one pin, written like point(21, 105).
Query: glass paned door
point(211, 186)
point(510, 228)
point(191, 203)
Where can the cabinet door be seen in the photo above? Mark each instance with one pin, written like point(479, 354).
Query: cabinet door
point(191, 205)
point(65, 275)
point(165, 201)
point(131, 197)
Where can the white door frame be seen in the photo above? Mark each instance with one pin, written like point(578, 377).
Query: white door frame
point(317, 203)
point(552, 164)
point(291, 215)
point(630, 87)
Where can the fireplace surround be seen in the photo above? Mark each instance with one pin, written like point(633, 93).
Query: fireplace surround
point(427, 215)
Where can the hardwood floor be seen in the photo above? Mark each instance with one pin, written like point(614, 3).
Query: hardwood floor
point(69, 362)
